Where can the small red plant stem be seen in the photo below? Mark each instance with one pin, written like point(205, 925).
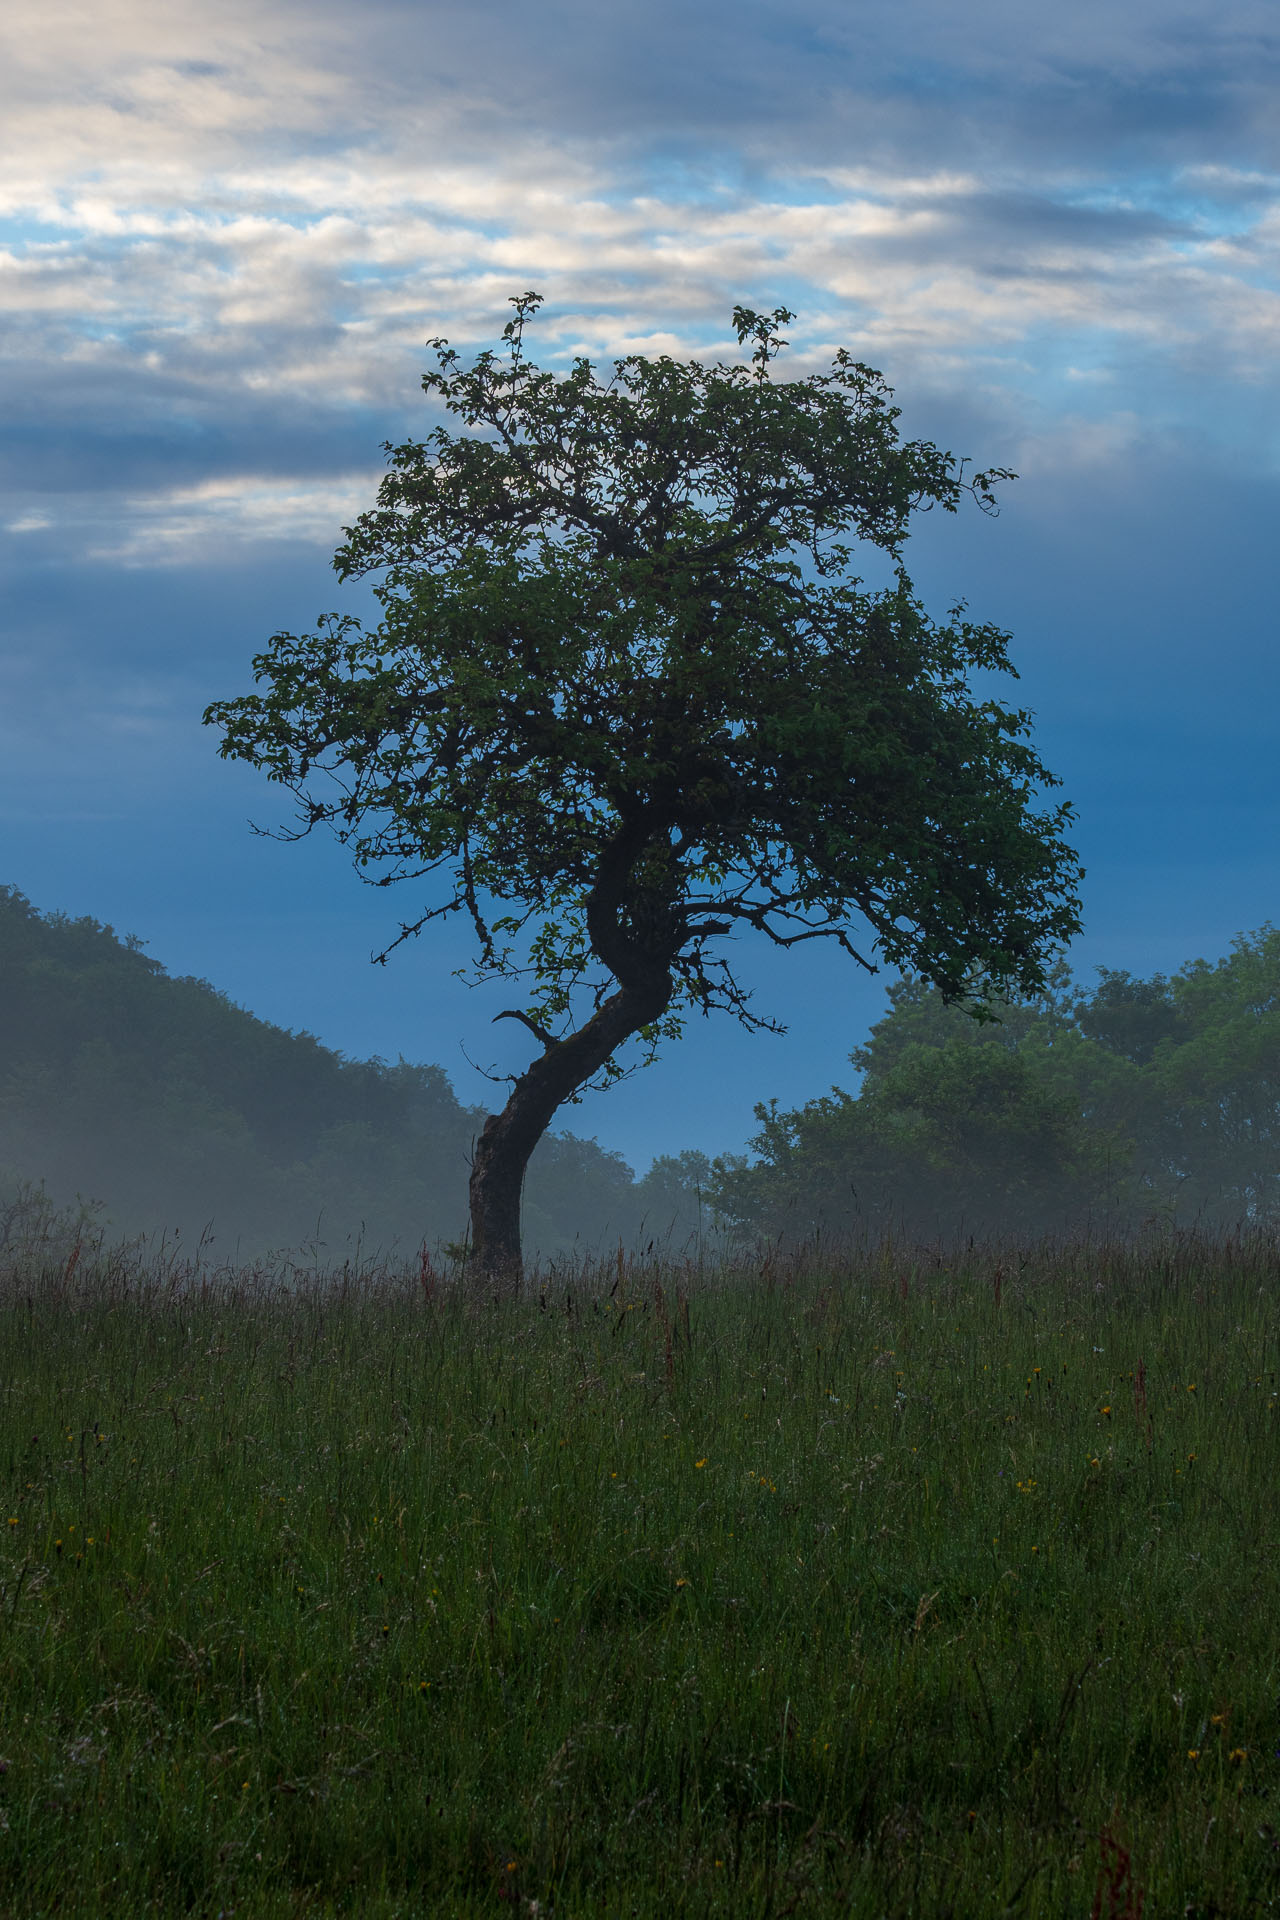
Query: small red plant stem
point(1115, 1882)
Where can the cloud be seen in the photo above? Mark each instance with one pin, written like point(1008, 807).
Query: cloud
point(171, 105)
point(180, 526)
point(225, 234)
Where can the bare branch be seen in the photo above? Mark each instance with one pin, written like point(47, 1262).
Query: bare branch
point(539, 1033)
point(410, 929)
point(488, 1073)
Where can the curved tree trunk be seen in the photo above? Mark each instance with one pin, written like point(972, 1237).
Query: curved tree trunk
point(503, 1149)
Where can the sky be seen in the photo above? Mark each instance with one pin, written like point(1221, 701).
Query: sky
point(227, 232)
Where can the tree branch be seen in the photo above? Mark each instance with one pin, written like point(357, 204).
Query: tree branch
point(539, 1033)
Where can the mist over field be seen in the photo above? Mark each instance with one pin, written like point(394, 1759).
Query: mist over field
point(174, 1115)
point(1086, 1112)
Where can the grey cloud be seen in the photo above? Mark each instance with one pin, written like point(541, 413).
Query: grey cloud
point(989, 83)
point(992, 84)
point(116, 425)
point(1041, 219)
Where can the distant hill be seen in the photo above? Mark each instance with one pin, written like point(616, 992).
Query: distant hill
point(182, 1112)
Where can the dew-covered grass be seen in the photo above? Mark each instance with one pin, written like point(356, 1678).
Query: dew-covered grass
point(869, 1585)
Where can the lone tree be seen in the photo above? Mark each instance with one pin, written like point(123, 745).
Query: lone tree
point(629, 696)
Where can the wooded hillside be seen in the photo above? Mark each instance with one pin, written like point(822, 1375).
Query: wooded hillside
point(181, 1111)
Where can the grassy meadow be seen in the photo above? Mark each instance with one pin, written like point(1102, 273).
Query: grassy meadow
point(896, 1584)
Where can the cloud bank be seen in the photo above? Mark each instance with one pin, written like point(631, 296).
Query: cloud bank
point(226, 233)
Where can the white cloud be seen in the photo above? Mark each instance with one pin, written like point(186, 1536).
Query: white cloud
point(181, 526)
point(176, 525)
point(249, 218)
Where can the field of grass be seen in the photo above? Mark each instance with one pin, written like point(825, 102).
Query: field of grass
point(883, 1586)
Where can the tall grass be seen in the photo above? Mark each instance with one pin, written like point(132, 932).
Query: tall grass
point(873, 1585)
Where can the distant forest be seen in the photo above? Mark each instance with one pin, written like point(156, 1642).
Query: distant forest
point(180, 1112)
point(1142, 1100)
point(1137, 1100)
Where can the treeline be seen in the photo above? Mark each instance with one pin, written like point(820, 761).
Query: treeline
point(1140, 1100)
point(1137, 1100)
point(181, 1112)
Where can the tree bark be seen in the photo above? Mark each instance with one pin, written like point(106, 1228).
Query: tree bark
point(503, 1149)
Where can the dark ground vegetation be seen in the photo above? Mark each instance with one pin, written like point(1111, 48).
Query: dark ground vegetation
point(882, 1584)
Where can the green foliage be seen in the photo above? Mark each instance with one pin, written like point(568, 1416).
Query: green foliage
point(181, 1111)
point(1158, 1097)
point(1217, 1125)
point(627, 695)
point(872, 1589)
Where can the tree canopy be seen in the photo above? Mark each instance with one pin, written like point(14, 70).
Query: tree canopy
point(629, 696)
